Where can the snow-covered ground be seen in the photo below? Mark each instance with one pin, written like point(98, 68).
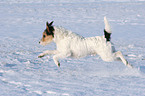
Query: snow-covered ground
point(23, 74)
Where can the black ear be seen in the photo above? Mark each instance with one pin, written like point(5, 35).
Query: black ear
point(51, 23)
point(47, 24)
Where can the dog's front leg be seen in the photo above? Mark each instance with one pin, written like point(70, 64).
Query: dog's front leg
point(47, 52)
point(59, 56)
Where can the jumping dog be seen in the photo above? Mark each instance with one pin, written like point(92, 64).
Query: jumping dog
point(70, 44)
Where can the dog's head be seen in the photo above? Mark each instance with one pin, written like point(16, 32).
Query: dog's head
point(48, 34)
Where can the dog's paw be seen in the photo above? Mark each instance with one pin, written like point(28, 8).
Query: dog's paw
point(58, 64)
point(41, 55)
point(129, 65)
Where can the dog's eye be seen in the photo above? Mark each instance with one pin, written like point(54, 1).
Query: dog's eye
point(44, 36)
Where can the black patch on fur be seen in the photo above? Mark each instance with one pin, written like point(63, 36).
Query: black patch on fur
point(107, 35)
point(51, 31)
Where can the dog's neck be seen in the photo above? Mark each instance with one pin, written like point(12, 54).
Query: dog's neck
point(58, 33)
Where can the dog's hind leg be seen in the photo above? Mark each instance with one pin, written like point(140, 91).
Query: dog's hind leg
point(119, 55)
point(47, 52)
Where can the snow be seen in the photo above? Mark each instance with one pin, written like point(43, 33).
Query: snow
point(22, 73)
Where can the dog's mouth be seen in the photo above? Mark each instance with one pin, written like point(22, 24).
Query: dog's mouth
point(44, 43)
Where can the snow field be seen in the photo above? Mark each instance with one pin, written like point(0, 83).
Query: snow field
point(23, 74)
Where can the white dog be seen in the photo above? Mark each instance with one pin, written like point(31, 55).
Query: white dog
point(70, 44)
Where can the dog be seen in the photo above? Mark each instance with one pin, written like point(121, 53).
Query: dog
point(70, 44)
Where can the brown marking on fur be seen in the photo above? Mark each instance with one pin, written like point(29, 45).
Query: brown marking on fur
point(46, 38)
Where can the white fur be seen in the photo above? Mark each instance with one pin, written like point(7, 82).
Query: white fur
point(73, 45)
point(107, 25)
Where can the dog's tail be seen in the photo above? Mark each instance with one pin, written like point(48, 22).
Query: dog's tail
point(107, 30)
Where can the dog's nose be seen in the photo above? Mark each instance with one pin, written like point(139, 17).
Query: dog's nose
point(39, 41)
